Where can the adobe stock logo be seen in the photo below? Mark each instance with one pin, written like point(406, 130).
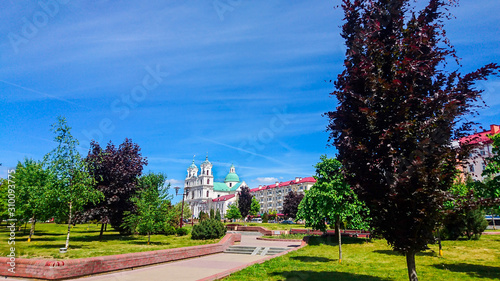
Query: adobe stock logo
point(122, 105)
point(30, 28)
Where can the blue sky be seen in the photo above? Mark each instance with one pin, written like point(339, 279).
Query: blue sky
point(242, 80)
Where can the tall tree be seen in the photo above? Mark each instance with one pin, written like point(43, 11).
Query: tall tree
point(115, 171)
point(73, 184)
point(331, 199)
point(152, 205)
point(291, 204)
point(398, 111)
point(254, 207)
point(244, 201)
point(33, 184)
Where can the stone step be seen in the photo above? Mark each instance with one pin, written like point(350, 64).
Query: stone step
point(249, 250)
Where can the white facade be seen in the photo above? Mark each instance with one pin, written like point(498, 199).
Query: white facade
point(271, 197)
point(204, 194)
point(477, 161)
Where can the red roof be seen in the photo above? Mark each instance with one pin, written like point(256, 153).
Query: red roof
point(223, 198)
point(481, 137)
point(282, 184)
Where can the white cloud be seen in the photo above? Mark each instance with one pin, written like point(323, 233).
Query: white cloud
point(267, 180)
point(174, 181)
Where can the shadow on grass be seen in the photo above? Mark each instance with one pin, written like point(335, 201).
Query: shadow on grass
point(394, 253)
point(311, 259)
point(303, 275)
point(333, 240)
point(473, 270)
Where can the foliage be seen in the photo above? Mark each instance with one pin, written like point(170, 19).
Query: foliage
point(491, 187)
point(460, 223)
point(398, 112)
point(265, 217)
point(331, 199)
point(33, 183)
point(208, 229)
point(181, 231)
point(233, 212)
point(218, 216)
point(254, 207)
point(212, 213)
point(4, 188)
point(464, 217)
point(152, 206)
point(203, 216)
point(291, 204)
point(115, 171)
point(72, 188)
point(245, 201)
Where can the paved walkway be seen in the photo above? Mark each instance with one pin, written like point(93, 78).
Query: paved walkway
point(195, 268)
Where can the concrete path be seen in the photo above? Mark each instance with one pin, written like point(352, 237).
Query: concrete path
point(195, 268)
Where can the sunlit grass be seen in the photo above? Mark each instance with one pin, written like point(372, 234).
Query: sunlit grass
point(374, 260)
point(84, 242)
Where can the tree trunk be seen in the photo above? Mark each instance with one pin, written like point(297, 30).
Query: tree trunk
point(69, 226)
point(106, 227)
point(102, 231)
point(439, 243)
point(337, 226)
point(32, 230)
point(493, 219)
point(410, 264)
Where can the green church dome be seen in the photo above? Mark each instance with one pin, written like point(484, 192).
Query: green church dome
point(232, 177)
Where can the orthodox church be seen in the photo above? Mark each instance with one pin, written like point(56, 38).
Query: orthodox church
point(204, 194)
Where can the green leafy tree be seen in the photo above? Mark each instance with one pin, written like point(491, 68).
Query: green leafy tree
point(398, 111)
point(152, 206)
point(490, 189)
point(464, 216)
point(254, 207)
point(233, 213)
point(4, 206)
point(244, 201)
point(330, 198)
point(33, 183)
point(73, 187)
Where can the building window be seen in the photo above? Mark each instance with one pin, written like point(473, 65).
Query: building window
point(208, 181)
point(230, 184)
point(483, 152)
point(207, 193)
point(471, 168)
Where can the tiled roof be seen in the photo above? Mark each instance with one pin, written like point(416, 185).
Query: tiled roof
point(223, 198)
point(283, 184)
point(481, 137)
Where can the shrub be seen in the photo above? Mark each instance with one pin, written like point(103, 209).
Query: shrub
point(208, 229)
point(182, 231)
point(464, 223)
point(169, 230)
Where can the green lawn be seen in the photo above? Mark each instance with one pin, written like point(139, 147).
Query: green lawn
point(84, 242)
point(364, 260)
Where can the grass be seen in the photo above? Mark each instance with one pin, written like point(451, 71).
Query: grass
point(84, 242)
point(374, 260)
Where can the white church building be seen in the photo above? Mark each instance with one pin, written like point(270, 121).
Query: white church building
point(203, 193)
